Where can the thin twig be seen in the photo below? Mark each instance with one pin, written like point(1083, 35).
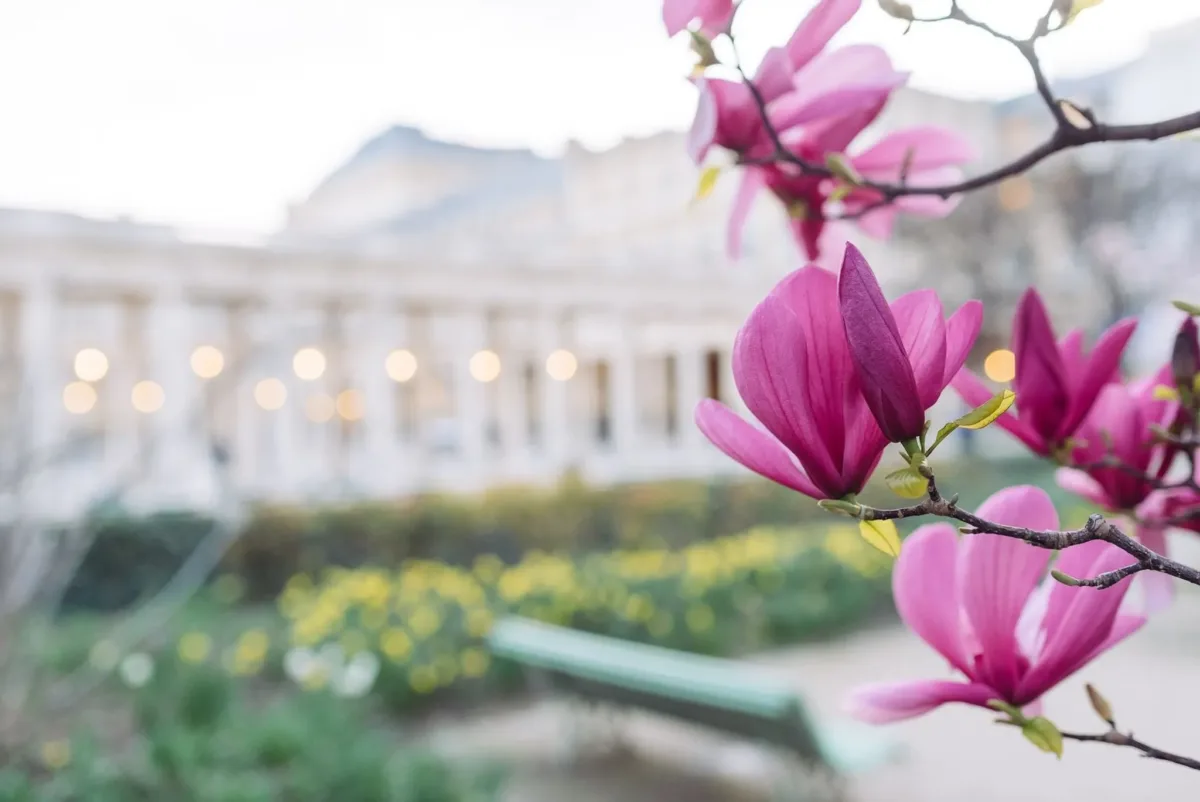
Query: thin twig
point(1121, 739)
point(1096, 528)
point(1066, 135)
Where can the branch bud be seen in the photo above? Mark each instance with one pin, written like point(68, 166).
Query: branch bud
point(1069, 581)
point(1185, 357)
point(1100, 705)
point(702, 47)
point(851, 508)
point(841, 168)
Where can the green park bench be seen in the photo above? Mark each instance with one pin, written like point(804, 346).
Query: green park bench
point(723, 695)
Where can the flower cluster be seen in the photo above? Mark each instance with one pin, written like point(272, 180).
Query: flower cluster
point(833, 373)
point(426, 623)
point(817, 101)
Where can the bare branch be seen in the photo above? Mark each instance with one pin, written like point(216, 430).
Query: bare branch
point(1121, 739)
point(1067, 134)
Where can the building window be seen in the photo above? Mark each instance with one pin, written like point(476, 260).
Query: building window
point(529, 386)
point(603, 405)
point(712, 375)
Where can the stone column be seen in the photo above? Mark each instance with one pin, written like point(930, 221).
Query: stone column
point(275, 465)
point(376, 458)
point(511, 399)
point(471, 395)
point(173, 427)
point(124, 445)
point(41, 406)
point(554, 407)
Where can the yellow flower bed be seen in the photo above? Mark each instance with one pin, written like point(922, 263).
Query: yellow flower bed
point(427, 621)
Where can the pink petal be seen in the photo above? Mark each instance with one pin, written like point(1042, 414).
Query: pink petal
point(1040, 384)
point(755, 449)
point(850, 79)
point(974, 392)
point(877, 223)
point(1077, 630)
point(998, 574)
point(703, 132)
point(931, 147)
point(919, 318)
point(774, 76)
point(1104, 361)
point(818, 27)
point(1078, 482)
point(962, 330)
point(888, 702)
point(1071, 348)
point(797, 326)
point(713, 15)
point(750, 185)
point(924, 584)
point(834, 134)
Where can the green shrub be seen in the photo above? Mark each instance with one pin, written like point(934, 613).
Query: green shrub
point(133, 557)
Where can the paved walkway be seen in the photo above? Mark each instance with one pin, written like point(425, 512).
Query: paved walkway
point(953, 755)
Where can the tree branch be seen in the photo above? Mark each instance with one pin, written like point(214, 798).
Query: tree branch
point(1096, 528)
point(1067, 134)
point(1121, 739)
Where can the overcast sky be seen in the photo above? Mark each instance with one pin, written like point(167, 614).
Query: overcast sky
point(215, 114)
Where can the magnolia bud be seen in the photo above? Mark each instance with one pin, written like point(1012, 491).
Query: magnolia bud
point(1069, 581)
point(1185, 356)
point(702, 47)
point(850, 508)
point(1100, 705)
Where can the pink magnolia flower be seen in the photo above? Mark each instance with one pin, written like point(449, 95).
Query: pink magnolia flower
point(976, 599)
point(713, 15)
point(933, 156)
point(1118, 428)
point(1056, 384)
point(793, 368)
point(799, 83)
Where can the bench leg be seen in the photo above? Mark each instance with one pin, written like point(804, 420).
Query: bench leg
point(592, 730)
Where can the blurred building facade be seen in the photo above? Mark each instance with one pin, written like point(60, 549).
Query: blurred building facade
point(440, 317)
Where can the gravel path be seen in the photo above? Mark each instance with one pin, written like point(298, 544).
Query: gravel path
point(953, 755)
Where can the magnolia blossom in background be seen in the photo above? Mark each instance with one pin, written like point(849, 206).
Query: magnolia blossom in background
point(818, 102)
point(713, 16)
point(794, 368)
point(977, 600)
point(1056, 384)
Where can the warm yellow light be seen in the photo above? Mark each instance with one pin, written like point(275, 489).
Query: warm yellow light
point(1000, 366)
point(349, 404)
point(401, 365)
point(561, 365)
point(318, 408)
point(79, 398)
point(1016, 193)
point(270, 394)
point(91, 365)
point(208, 362)
point(147, 396)
point(309, 364)
point(484, 366)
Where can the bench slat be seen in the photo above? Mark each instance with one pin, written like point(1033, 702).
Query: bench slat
point(640, 667)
